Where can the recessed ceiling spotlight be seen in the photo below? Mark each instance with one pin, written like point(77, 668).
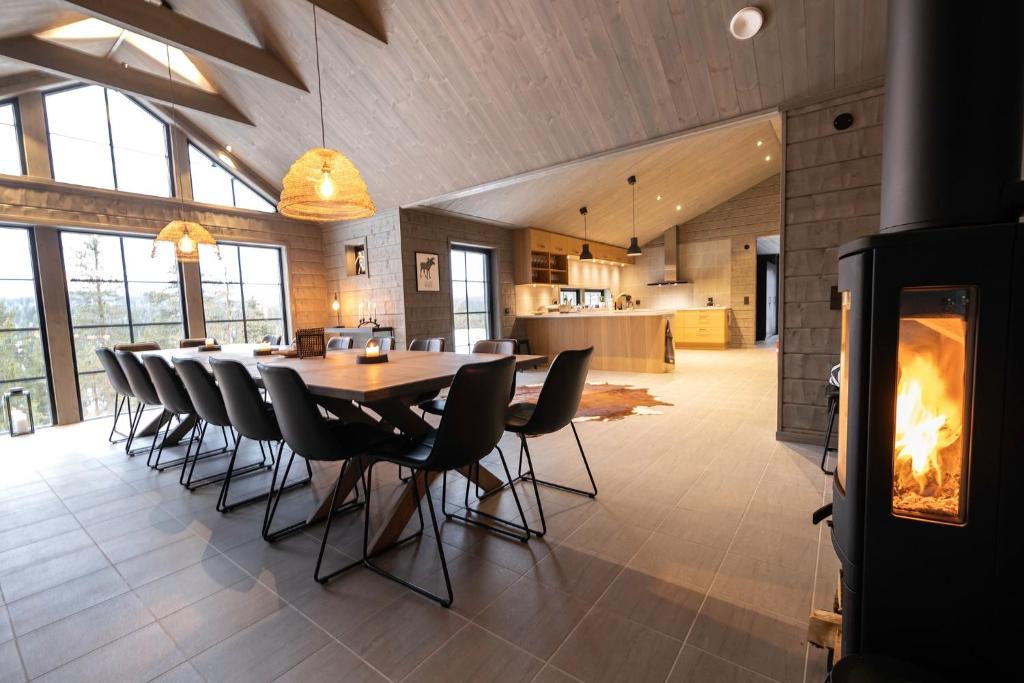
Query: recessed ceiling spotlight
point(679, 207)
point(768, 157)
point(760, 143)
point(658, 198)
point(746, 23)
point(228, 148)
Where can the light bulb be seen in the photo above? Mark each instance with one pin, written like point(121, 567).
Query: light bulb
point(186, 245)
point(325, 188)
point(335, 305)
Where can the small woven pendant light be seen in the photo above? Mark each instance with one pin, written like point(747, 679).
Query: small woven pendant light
point(323, 185)
point(186, 236)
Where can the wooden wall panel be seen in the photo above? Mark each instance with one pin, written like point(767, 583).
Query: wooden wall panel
point(832, 196)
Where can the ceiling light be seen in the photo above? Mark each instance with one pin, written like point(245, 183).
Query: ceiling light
point(746, 23)
point(226, 159)
point(585, 254)
point(227, 148)
point(658, 198)
point(634, 246)
point(679, 207)
point(760, 143)
point(323, 184)
point(768, 157)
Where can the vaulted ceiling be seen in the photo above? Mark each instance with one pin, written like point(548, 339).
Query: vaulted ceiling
point(469, 91)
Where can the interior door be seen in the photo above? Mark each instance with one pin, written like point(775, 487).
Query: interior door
point(771, 323)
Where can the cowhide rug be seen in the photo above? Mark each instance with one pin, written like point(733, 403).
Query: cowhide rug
point(604, 402)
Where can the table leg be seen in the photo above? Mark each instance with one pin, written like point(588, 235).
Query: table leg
point(351, 475)
point(175, 435)
point(391, 529)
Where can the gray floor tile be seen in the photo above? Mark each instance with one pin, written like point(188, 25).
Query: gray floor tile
point(52, 572)
point(37, 531)
point(6, 631)
point(59, 643)
point(584, 575)
point(11, 670)
point(173, 592)
point(158, 563)
point(472, 654)
point(61, 601)
point(138, 656)
point(331, 663)
point(697, 665)
point(263, 651)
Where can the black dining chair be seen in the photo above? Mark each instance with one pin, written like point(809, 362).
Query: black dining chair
point(272, 339)
point(209, 407)
point(175, 402)
point(145, 397)
point(470, 429)
point(555, 408)
point(122, 391)
point(313, 437)
point(252, 418)
point(339, 343)
point(504, 347)
point(386, 343)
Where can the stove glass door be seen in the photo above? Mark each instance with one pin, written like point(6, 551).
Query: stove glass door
point(930, 446)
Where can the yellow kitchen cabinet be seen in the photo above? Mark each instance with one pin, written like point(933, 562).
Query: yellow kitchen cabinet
point(701, 328)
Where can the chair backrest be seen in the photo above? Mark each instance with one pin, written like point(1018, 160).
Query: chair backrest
point(138, 379)
point(337, 343)
point(386, 343)
point(503, 347)
point(137, 346)
point(115, 375)
point(169, 388)
point(272, 339)
point(203, 391)
point(309, 343)
point(250, 415)
point(474, 414)
point(191, 343)
point(560, 396)
point(302, 426)
point(435, 344)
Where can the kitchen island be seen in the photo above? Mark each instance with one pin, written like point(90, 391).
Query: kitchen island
point(636, 340)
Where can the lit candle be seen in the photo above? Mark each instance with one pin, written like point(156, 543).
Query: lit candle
point(19, 421)
point(372, 347)
point(264, 345)
point(209, 341)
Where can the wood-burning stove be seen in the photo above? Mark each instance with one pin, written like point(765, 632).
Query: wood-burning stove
point(926, 512)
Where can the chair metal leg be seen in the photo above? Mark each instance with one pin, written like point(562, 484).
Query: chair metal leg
point(222, 501)
point(273, 500)
point(123, 404)
point(327, 532)
point(443, 601)
point(524, 527)
point(832, 407)
point(156, 437)
point(134, 421)
point(593, 485)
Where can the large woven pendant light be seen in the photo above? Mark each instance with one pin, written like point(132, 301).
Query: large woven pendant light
point(186, 236)
point(323, 185)
point(585, 254)
point(634, 246)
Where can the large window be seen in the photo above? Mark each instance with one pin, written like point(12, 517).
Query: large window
point(102, 138)
point(10, 141)
point(214, 184)
point(243, 293)
point(117, 293)
point(471, 297)
point(22, 355)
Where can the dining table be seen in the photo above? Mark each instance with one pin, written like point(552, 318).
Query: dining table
point(384, 393)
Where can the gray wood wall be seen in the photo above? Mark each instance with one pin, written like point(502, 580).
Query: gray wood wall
point(832, 194)
point(740, 219)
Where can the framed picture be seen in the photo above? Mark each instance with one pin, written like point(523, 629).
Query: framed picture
point(428, 278)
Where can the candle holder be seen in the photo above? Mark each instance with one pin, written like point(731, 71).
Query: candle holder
point(371, 353)
point(372, 322)
point(18, 421)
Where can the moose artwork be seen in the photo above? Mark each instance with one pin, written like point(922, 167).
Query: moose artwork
point(427, 277)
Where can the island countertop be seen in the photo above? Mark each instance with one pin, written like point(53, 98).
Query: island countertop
point(634, 312)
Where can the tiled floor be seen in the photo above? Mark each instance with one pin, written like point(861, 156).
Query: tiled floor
point(697, 562)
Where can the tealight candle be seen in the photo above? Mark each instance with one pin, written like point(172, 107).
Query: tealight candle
point(372, 350)
point(209, 341)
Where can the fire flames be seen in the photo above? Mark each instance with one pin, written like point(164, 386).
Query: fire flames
point(928, 445)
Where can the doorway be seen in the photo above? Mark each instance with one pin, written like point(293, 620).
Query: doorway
point(766, 319)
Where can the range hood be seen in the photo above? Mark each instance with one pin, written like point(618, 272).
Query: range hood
point(670, 269)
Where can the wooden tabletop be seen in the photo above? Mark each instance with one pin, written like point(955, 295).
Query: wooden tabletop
point(339, 376)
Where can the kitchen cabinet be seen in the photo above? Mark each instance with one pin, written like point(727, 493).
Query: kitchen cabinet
point(541, 257)
point(701, 328)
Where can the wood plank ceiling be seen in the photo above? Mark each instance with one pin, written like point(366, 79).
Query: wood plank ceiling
point(676, 180)
point(469, 91)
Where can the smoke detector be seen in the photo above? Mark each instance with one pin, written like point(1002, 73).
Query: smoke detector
point(746, 23)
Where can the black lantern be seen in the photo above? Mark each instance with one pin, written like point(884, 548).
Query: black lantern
point(20, 421)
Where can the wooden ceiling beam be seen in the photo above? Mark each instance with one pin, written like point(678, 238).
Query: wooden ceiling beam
point(102, 71)
point(27, 81)
point(165, 25)
point(353, 15)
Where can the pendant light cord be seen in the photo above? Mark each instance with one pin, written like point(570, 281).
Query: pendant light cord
point(633, 184)
point(174, 127)
point(319, 86)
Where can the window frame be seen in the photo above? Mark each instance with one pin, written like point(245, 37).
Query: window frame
point(241, 288)
point(171, 175)
point(590, 290)
point(574, 291)
point(37, 289)
point(235, 178)
point(13, 102)
point(488, 291)
point(121, 236)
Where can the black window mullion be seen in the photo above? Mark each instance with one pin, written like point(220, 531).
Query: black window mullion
point(127, 296)
point(110, 143)
point(241, 284)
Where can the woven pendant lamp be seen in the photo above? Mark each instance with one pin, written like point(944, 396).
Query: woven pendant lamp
point(186, 236)
point(323, 184)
